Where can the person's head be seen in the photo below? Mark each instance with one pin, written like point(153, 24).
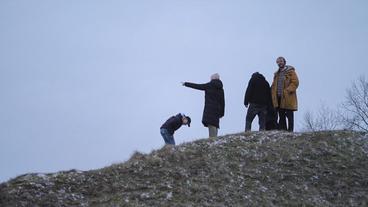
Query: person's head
point(186, 120)
point(281, 62)
point(215, 76)
point(257, 75)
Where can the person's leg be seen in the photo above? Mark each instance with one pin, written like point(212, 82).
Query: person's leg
point(271, 118)
point(251, 113)
point(212, 130)
point(215, 131)
point(171, 139)
point(262, 118)
point(282, 119)
point(163, 134)
point(290, 118)
point(168, 138)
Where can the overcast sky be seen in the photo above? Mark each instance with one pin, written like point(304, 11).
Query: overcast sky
point(83, 84)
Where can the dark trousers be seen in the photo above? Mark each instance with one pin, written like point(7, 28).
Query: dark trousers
point(168, 138)
point(271, 118)
point(253, 110)
point(282, 115)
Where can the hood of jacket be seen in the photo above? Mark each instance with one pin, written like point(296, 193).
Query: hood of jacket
point(287, 68)
point(258, 76)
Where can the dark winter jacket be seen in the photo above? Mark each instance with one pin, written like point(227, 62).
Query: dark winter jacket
point(214, 107)
point(258, 91)
point(173, 123)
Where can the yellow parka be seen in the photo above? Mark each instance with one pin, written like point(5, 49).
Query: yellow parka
point(291, 82)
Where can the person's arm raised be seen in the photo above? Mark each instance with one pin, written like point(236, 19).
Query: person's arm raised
point(196, 86)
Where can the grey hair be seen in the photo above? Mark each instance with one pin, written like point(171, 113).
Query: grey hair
point(215, 76)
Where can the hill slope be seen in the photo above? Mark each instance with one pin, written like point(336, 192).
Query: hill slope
point(252, 169)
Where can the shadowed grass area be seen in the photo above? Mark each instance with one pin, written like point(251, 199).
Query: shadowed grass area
point(246, 169)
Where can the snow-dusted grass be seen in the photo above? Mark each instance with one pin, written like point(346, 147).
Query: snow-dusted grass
point(245, 169)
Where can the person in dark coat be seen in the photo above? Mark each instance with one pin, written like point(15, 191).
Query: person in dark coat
point(214, 107)
point(258, 97)
point(171, 125)
point(271, 119)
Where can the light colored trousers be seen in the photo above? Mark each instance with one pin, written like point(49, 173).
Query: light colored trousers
point(212, 130)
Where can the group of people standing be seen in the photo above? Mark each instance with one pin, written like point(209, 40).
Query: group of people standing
point(273, 105)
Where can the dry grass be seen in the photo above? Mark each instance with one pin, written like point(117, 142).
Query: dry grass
point(252, 169)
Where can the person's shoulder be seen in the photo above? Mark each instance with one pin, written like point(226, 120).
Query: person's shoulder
point(290, 68)
point(171, 118)
point(216, 84)
point(178, 116)
point(291, 72)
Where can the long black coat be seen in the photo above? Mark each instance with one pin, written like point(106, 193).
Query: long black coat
point(214, 107)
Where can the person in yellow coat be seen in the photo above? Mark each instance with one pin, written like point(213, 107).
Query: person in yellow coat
point(283, 90)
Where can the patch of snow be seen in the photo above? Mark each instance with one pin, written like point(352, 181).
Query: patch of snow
point(218, 142)
point(41, 175)
point(145, 195)
point(263, 188)
point(169, 196)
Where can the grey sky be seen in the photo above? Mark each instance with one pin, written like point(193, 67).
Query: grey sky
point(84, 84)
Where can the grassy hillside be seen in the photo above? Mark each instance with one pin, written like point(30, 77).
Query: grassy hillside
point(247, 169)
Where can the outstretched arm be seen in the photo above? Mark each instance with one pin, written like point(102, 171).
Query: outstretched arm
point(196, 86)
